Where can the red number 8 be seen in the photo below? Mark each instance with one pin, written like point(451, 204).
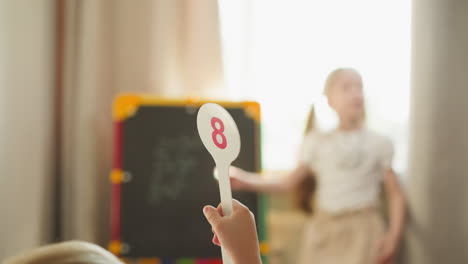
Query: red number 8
point(216, 131)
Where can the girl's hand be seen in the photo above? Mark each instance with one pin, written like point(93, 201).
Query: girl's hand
point(237, 233)
point(240, 179)
point(387, 249)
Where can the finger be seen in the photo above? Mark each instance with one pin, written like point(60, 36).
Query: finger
point(220, 210)
point(384, 258)
point(212, 215)
point(215, 240)
point(236, 205)
point(379, 260)
point(380, 252)
point(387, 258)
point(381, 249)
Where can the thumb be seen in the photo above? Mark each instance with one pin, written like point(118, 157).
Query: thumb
point(212, 215)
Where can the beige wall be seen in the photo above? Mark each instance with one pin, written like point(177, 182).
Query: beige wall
point(438, 173)
point(26, 65)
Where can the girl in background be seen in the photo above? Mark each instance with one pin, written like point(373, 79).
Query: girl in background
point(347, 165)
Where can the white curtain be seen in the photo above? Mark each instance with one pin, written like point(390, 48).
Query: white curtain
point(438, 184)
point(26, 81)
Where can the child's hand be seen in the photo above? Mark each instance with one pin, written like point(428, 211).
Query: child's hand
point(237, 233)
point(387, 250)
point(238, 178)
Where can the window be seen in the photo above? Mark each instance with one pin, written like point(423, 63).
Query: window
point(279, 53)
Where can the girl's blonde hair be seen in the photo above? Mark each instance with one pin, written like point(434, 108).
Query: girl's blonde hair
point(71, 252)
point(333, 76)
point(305, 190)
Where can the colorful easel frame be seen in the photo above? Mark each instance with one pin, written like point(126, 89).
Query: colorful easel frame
point(126, 105)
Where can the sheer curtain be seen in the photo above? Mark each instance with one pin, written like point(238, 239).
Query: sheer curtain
point(26, 79)
point(279, 53)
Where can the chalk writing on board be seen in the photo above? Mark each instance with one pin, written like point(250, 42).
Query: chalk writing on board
point(174, 160)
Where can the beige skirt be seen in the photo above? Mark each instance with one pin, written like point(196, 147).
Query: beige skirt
point(345, 238)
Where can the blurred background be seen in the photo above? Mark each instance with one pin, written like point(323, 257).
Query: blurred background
point(63, 61)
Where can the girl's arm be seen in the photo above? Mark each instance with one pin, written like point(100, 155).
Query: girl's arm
point(397, 212)
point(249, 181)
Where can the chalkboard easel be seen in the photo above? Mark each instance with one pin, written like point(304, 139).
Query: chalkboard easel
point(163, 176)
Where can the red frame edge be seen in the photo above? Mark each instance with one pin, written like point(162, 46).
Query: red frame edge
point(116, 189)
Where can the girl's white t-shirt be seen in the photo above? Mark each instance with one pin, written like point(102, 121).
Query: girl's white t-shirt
point(349, 166)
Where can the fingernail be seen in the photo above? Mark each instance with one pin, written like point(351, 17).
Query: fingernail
point(205, 209)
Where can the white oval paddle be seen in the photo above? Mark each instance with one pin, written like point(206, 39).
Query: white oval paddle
point(221, 138)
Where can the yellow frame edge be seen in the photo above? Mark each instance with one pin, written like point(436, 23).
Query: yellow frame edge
point(126, 105)
point(264, 248)
point(149, 261)
point(116, 176)
point(115, 247)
